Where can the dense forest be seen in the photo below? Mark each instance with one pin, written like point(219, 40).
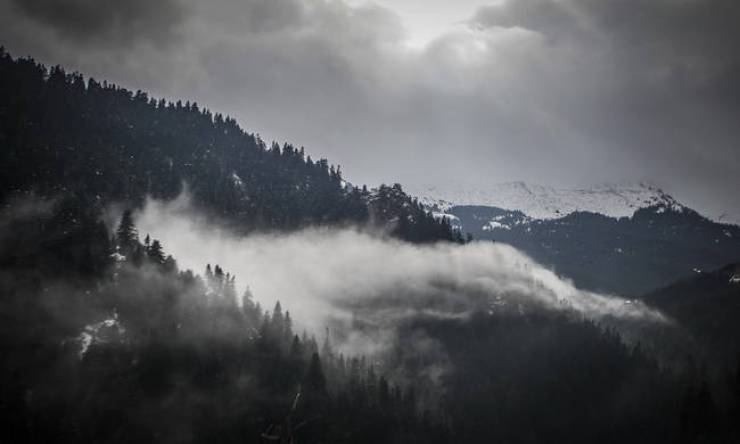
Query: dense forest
point(656, 246)
point(134, 348)
point(65, 135)
point(106, 339)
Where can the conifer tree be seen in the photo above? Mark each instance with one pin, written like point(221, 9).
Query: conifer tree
point(126, 235)
point(170, 265)
point(277, 322)
point(315, 379)
point(155, 252)
point(287, 328)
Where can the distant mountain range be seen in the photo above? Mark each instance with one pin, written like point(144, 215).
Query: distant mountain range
point(627, 239)
point(545, 202)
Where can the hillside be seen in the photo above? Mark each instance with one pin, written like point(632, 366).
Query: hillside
point(707, 305)
point(545, 202)
point(599, 236)
point(627, 256)
point(106, 338)
point(141, 349)
point(66, 135)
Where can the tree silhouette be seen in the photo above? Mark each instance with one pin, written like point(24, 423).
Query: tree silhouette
point(126, 234)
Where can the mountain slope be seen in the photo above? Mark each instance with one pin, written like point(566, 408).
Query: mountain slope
point(626, 241)
point(707, 305)
point(61, 134)
point(543, 202)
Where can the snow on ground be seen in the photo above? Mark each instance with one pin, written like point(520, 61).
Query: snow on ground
point(492, 225)
point(101, 332)
point(544, 202)
point(453, 220)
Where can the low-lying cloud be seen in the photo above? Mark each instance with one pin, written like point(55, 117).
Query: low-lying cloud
point(330, 276)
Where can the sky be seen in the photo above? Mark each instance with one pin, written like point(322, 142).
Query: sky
point(565, 93)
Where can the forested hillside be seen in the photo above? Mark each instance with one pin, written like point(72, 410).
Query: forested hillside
point(139, 350)
point(135, 348)
point(655, 246)
point(707, 305)
point(105, 338)
point(63, 135)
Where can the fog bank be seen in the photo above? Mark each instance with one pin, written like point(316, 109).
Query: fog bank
point(325, 275)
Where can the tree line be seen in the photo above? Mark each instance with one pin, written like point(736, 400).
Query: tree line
point(63, 134)
point(136, 349)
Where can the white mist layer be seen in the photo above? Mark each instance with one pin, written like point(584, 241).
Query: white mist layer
point(323, 274)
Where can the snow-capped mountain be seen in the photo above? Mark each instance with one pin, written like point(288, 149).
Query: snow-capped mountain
point(595, 236)
point(544, 202)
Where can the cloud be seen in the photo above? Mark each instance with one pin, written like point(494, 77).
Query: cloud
point(105, 22)
point(374, 293)
point(566, 92)
point(338, 276)
point(688, 42)
point(653, 81)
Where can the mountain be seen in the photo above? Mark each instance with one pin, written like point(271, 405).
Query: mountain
point(106, 339)
point(707, 305)
point(66, 136)
point(543, 202)
point(624, 240)
point(141, 349)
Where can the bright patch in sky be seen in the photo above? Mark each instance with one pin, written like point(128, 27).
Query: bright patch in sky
point(428, 19)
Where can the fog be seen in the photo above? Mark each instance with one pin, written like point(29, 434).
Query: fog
point(331, 276)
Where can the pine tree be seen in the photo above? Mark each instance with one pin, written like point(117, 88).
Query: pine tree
point(287, 328)
point(383, 392)
point(170, 265)
point(229, 291)
point(155, 253)
point(326, 346)
point(126, 235)
point(277, 323)
point(315, 379)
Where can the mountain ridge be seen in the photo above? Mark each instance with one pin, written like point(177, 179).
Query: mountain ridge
point(542, 202)
point(601, 235)
point(64, 135)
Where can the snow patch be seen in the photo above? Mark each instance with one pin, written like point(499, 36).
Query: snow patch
point(118, 257)
point(543, 202)
point(492, 225)
point(236, 180)
point(451, 219)
point(101, 332)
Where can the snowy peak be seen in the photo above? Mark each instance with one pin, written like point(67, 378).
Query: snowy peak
point(543, 202)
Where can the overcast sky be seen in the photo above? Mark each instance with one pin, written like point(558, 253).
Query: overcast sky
point(556, 92)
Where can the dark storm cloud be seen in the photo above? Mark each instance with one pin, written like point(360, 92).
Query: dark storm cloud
point(271, 15)
point(96, 22)
point(565, 92)
point(690, 42)
point(671, 93)
point(663, 53)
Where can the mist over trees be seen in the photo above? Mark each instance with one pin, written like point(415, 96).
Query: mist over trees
point(141, 350)
point(144, 351)
point(106, 339)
